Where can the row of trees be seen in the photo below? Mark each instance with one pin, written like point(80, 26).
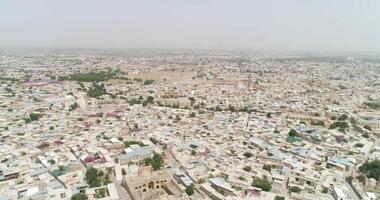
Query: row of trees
point(230, 108)
point(373, 105)
point(89, 77)
point(129, 143)
point(100, 76)
point(148, 82)
point(79, 196)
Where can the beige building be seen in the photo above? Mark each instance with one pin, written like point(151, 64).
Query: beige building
point(152, 185)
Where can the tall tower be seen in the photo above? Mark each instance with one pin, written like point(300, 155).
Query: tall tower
point(249, 84)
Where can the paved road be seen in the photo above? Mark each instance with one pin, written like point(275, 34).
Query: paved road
point(352, 192)
point(123, 194)
point(82, 101)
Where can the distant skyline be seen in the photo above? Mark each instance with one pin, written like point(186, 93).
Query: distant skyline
point(279, 25)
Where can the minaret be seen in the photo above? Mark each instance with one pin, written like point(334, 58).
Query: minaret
point(249, 84)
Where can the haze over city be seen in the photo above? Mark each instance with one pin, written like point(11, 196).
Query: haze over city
point(316, 25)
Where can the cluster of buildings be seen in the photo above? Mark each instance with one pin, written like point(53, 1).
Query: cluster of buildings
point(202, 127)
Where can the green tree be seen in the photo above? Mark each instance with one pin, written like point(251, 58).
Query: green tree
point(343, 117)
point(97, 90)
point(247, 168)
point(279, 198)
point(193, 152)
point(359, 145)
point(150, 100)
point(231, 108)
point(367, 127)
point(371, 169)
point(318, 123)
point(109, 170)
point(92, 177)
point(61, 168)
point(293, 133)
point(373, 105)
point(237, 188)
point(148, 82)
point(79, 196)
point(189, 190)
point(247, 154)
point(157, 162)
point(361, 178)
point(89, 77)
point(147, 161)
point(192, 114)
point(107, 180)
point(218, 108)
point(264, 184)
point(325, 190)
point(129, 143)
point(295, 189)
point(192, 100)
point(73, 106)
point(340, 124)
point(153, 140)
point(27, 120)
point(34, 116)
point(100, 193)
point(100, 173)
point(268, 168)
point(221, 191)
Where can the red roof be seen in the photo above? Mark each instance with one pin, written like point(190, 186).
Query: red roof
point(58, 142)
point(112, 114)
point(89, 159)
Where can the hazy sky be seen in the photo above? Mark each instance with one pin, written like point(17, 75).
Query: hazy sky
point(349, 25)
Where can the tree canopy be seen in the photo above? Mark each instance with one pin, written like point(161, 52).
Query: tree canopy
point(265, 185)
point(79, 196)
point(189, 190)
point(293, 133)
point(371, 169)
point(129, 143)
point(247, 154)
point(97, 90)
point(92, 177)
point(295, 189)
point(89, 77)
point(156, 161)
point(342, 125)
point(34, 116)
